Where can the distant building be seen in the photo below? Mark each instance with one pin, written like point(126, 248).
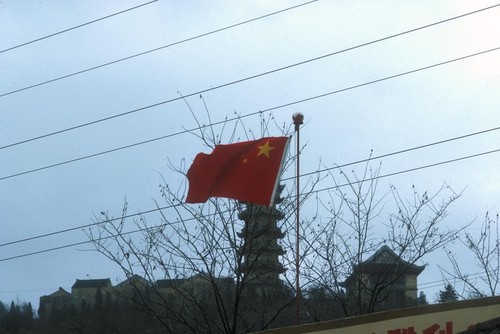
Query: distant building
point(84, 293)
point(92, 291)
point(59, 300)
point(199, 285)
point(132, 287)
point(384, 278)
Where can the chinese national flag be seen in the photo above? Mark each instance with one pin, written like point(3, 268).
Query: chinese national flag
point(246, 171)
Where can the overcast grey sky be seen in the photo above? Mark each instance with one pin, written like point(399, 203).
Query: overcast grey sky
point(434, 104)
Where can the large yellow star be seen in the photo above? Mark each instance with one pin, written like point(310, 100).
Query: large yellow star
point(265, 149)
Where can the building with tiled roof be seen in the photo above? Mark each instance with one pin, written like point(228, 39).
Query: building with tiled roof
point(491, 326)
point(384, 279)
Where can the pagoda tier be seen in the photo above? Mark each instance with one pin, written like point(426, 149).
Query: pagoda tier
point(260, 249)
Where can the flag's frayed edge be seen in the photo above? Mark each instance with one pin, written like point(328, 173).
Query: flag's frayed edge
point(277, 178)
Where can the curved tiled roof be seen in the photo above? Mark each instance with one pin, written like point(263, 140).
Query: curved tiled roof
point(487, 327)
point(92, 283)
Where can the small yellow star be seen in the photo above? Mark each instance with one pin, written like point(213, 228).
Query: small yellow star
point(265, 149)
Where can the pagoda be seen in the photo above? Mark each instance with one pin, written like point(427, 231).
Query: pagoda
point(260, 250)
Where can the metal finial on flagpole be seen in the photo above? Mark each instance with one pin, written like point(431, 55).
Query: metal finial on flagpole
point(298, 119)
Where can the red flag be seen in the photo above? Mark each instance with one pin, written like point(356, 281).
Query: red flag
point(246, 171)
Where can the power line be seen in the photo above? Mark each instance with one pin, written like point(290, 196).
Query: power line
point(222, 85)
point(284, 179)
point(200, 92)
point(400, 151)
point(155, 49)
point(45, 251)
point(63, 247)
point(434, 284)
point(415, 169)
point(83, 226)
point(76, 27)
point(156, 226)
point(302, 175)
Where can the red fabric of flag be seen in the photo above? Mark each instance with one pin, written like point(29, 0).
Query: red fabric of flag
point(246, 171)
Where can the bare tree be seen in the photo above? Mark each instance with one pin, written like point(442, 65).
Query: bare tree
point(202, 269)
point(199, 264)
point(341, 242)
point(484, 246)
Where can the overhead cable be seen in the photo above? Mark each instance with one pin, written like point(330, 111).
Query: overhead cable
point(414, 169)
point(274, 108)
point(219, 86)
point(45, 235)
point(400, 152)
point(75, 27)
point(284, 179)
point(153, 50)
point(315, 191)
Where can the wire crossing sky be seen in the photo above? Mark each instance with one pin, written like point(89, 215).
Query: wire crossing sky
point(75, 27)
point(109, 93)
point(209, 125)
point(138, 54)
point(373, 158)
point(225, 84)
point(436, 164)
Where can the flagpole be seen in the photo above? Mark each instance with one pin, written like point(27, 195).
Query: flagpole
point(298, 119)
